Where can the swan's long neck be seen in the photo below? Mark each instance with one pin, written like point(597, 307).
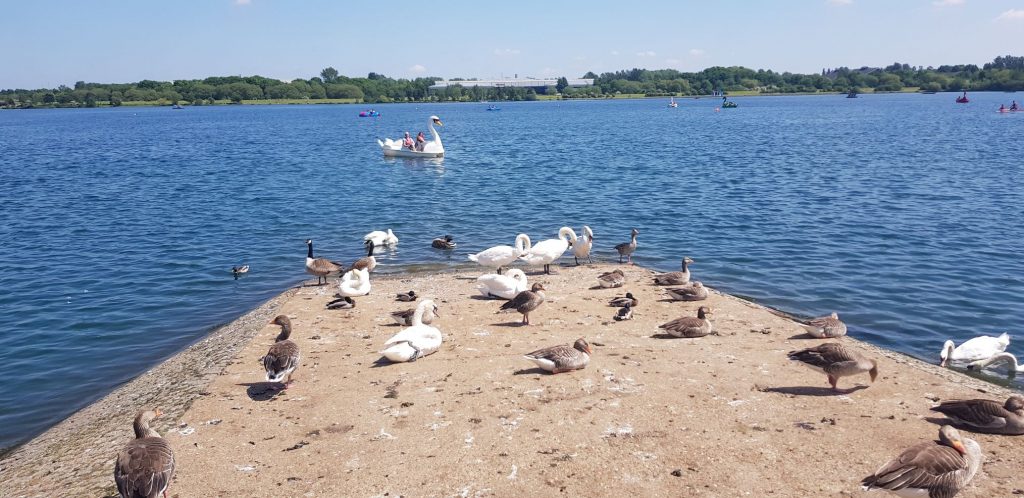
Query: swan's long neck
point(433, 132)
point(947, 350)
point(523, 243)
point(417, 317)
point(1008, 358)
point(567, 234)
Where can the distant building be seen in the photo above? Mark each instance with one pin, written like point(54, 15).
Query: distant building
point(511, 83)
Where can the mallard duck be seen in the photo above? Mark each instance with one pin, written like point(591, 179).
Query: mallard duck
point(825, 327)
point(342, 303)
point(502, 286)
point(619, 302)
point(369, 262)
point(1008, 358)
point(499, 256)
point(931, 469)
point(836, 361)
point(354, 283)
point(978, 348)
point(380, 238)
point(404, 317)
point(406, 296)
point(624, 313)
point(283, 357)
point(983, 415)
point(693, 292)
point(418, 340)
point(677, 277)
point(240, 270)
point(562, 358)
point(612, 279)
point(584, 243)
point(445, 242)
point(145, 466)
point(548, 251)
point(627, 248)
point(526, 301)
point(321, 267)
point(689, 326)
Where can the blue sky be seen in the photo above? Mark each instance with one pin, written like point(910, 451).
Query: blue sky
point(51, 42)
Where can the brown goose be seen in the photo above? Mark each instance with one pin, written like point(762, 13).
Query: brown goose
point(835, 361)
point(676, 277)
point(368, 263)
point(321, 267)
point(982, 415)
point(936, 469)
point(825, 327)
point(612, 279)
point(526, 301)
point(693, 292)
point(689, 326)
point(145, 465)
point(628, 248)
point(619, 302)
point(562, 358)
point(445, 242)
point(624, 313)
point(283, 357)
point(407, 297)
point(404, 317)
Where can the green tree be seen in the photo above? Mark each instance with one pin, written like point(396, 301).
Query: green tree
point(329, 74)
point(561, 84)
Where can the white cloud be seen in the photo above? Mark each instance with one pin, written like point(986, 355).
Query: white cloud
point(840, 2)
point(947, 3)
point(506, 51)
point(1011, 15)
point(696, 52)
point(418, 69)
point(648, 53)
point(243, 2)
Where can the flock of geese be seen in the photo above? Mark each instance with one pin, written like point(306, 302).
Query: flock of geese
point(933, 468)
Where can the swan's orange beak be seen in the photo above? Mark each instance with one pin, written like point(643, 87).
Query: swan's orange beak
point(438, 122)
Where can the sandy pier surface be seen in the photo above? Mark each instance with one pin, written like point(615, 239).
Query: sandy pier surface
point(724, 415)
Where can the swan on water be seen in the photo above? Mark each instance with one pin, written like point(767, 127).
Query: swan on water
point(380, 238)
point(1008, 358)
point(978, 348)
point(502, 286)
point(416, 341)
point(432, 148)
point(499, 256)
point(548, 251)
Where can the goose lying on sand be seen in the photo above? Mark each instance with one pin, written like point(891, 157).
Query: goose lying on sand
point(937, 469)
point(562, 358)
point(983, 415)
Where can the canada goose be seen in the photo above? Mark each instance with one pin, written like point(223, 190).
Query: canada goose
point(145, 466)
point(934, 468)
point(445, 242)
point(836, 361)
point(627, 248)
point(321, 267)
point(689, 326)
point(611, 279)
point(369, 262)
point(526, 301)
point(562, 358)
point(983, 415)
point(677, 277)
point(283, 357)
point(693, 292)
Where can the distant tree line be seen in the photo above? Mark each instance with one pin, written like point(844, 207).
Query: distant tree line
point(1003, 73)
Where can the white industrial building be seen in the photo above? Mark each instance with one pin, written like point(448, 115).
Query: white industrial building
point(511, 83)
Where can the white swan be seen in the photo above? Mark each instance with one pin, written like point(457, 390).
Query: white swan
point(548, 251)
point(380, 238)
point(583, 245)
point(502, 286)
point(354, 283)
point(499, 256)
point(996, 358)
point(978, 348)
point(433, 148)
point(414, 342)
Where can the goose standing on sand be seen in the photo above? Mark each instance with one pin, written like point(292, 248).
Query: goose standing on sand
point(677, 277)
point(380, 238)
point(936, 469)
point(984, 415)
point(354, 283)
point(693, 292)
point(145, 465)
point(689, 326)
point(406, 297)
point(611, 279)
point(619, 302)
point(836, 361)
point(624, 313)
point(627, 248)
point(584, 243)
point(502, 286)
point(283, 357)
point(548, 251)
point(1008, 358)
point(499, 256)
point(445, 242)
point(825, 327)
point(526, 301)
point(418, 340)
point(978, 348)
point(321, 267)
point(404, 317)
point(368, 262)
point(562, 358)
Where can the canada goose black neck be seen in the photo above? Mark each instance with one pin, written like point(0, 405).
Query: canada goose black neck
point(369, 248)
point(309, 251)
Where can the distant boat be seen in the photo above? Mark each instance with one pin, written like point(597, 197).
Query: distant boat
point(672, 102)
point(369, 114)
point(729, 105)
point(962, 99)
point(492, 108)
point(176, 106)
point(852, 94)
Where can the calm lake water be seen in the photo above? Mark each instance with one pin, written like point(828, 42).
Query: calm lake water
point(119, 226)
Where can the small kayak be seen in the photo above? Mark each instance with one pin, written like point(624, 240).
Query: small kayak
point(369, 114)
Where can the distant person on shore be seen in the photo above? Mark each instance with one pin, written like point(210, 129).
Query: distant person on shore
point(407, 142)
point(421, 141)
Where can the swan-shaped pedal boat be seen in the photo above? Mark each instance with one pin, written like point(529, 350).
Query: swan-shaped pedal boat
point(432, 148)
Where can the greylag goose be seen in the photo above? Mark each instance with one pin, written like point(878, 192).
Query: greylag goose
point(379, 238)
point(145, 465)
point(825, 327)
point(677, 277)
point(526, 301)
point(627, 248)
point(562, 358)
point(445, 242)
point(283, 356)
point(690, 326)
point(584, 243)
point(693, 292)
point(406, 297)
point(321, 267)
point(624, 313)
point(342, 303)
point(612, 279)
point(369, 262)
point(936, 469)
point(619, 302)
point(983, 415)
point(835, 361)
point(405, 317)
